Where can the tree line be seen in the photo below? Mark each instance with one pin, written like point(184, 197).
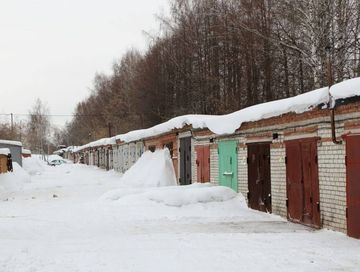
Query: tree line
point(218, 56)
point(35, 132)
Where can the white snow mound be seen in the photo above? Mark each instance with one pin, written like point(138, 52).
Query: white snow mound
point(188, 195)
point(34, 165)
point(14, 181)
point(153, 169)
point(175, 196)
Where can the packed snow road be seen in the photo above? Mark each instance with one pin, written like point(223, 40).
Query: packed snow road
point(78, 218)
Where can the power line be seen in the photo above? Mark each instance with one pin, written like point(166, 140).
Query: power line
point(58, 115)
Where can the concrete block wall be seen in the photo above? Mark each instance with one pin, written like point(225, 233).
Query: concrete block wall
point(278, 180)
point(332, 181)
point(214, 165)
point(193, 162)
point(242, 171)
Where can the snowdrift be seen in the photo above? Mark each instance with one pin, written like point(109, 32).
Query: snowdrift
point(175, 196)
point(14, 181)
point(151, 170)
point(34, 165)
point(187, 195)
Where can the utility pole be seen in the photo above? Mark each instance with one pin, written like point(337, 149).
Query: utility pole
point(12, 124)
point(109, 125)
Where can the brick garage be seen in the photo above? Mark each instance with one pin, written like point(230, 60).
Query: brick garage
point(279, 130)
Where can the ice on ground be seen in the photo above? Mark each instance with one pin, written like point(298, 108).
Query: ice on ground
point(14, 181)
point(153, 169)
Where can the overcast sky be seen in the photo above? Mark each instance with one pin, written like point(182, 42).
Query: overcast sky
point(51, 49)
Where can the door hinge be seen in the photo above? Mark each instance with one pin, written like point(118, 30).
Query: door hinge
point(209, 160)
point(286, 160)
point(248, 195)
point(236, 149)
point(316, 159)
point(287, 202)
point(318, 206)
point(218, 151)
point(347, 212)
point(247, 160)
point(346, 160)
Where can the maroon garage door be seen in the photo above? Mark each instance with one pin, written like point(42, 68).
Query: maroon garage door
point(353, 185)
point(259, 183)
point(302, 182)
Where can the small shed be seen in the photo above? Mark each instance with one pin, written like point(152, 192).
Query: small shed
point(15, 150)
point(4, 152)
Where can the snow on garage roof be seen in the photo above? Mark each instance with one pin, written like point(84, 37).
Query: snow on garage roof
point(346, 89)
point(4, 151)
point(8, 142)
point(229, 123)
point(98, 143)
point(26, 151)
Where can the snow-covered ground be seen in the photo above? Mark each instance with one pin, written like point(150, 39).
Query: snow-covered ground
point(77, 218)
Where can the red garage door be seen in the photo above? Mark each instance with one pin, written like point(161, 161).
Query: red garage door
point(302, 181)
point(203, 163)
point(353, 185)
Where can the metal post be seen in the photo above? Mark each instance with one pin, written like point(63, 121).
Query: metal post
point(12, 125)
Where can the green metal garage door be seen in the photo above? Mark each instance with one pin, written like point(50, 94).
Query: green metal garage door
point(228, 164)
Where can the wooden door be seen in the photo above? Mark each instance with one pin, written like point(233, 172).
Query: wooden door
point(303, 197)
point(259, 182)
point(353, 185)
point(185, 161)
point(228, 164)
point(203, 163)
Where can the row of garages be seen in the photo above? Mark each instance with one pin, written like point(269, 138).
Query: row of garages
point(290, 165)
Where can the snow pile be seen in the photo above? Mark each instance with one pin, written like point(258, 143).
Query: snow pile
point(34, 165)
point(14, 181)
point(175, 196)
point(187, 195)
point(151, 170)
point(4, 151)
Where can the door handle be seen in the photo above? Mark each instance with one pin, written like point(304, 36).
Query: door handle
point(228, 173)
